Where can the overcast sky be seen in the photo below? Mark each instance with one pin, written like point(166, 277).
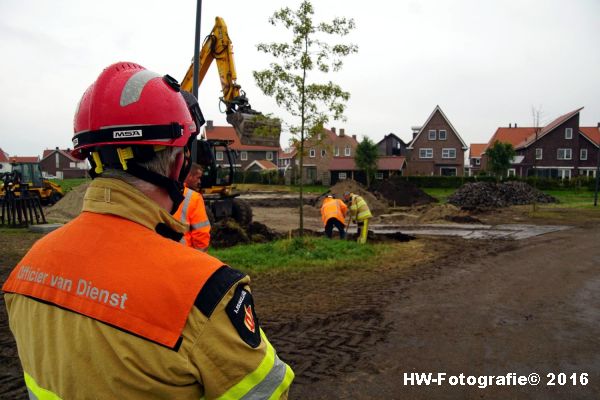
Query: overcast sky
point(486, 63)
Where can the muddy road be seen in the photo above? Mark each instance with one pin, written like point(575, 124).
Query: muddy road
point(477, 307)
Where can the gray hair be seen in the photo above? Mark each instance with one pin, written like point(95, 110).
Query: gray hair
point(161, 163)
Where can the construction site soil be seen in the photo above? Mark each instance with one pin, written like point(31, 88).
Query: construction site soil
point(439, 305)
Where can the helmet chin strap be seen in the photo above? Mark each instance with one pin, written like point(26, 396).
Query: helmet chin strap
point(174, 188)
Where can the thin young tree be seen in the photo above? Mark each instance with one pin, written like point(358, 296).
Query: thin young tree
point(365, 157)
point(287, 78)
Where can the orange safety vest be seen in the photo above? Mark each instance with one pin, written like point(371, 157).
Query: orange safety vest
point(193, 212)
point(333, 208)
point(148, 293)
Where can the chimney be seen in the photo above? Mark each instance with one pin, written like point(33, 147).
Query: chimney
point(333, 129)
point(509, 125)
point(415, 130)
point(515, 125)
point(342, 132)
point(354, 137)
point(56, 148)
point(209, 124)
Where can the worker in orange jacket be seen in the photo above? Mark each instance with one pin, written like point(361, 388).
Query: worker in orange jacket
point(192, 211)
point(111, 305)
point(333, 214)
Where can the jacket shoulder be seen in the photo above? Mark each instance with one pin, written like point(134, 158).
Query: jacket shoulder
point(215, 289)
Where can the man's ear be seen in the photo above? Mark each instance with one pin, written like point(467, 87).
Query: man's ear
point(176, 166)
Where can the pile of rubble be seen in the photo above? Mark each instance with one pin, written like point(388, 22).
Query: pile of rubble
point(489, 195)
point(400, 193)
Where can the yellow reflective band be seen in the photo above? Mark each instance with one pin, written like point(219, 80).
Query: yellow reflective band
point(255, 377)
point(38, 392)
point(287, 380)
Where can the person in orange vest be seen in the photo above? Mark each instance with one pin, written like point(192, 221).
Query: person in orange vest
point(333, 214)
point(192, 211)
point(111, 305)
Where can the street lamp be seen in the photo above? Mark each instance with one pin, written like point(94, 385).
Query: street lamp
point(597, 172)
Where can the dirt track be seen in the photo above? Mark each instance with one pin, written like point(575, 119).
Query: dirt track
point(472, 307)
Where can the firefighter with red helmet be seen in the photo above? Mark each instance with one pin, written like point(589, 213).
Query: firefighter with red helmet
point(111, 305)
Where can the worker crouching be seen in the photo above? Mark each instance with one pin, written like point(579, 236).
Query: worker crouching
point(111, 305)
point(333, 214)
point(360, 214)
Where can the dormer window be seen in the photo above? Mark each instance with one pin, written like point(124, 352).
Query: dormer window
point(348, 151)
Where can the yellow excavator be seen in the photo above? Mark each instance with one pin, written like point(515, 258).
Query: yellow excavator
point(251, 126)
point(29, 174)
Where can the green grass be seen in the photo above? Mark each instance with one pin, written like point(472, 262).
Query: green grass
point(441, 194)
point(575, 198)
point(293, 254)
point(68, 184)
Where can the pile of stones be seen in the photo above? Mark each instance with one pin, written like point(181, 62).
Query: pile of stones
point(488, 195)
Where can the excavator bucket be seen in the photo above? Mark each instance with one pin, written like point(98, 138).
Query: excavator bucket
point(255, 128)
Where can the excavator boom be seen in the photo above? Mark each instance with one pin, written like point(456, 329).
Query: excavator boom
point(251, 126)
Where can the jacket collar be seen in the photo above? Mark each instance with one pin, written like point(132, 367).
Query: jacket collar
point(116, 197)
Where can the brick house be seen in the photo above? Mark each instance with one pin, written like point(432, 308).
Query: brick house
point(320, 152)
point(561, 149)
point(475, 152)
point(342, 168)
point(392, 145)
point(61, 164)
point(436, 148)
point(245, 154)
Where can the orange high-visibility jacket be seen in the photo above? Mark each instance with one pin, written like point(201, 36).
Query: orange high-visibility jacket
point(192, 211)
point(333, 208)
point(108, 307)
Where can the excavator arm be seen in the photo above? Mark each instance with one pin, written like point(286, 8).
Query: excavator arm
point(218, 47)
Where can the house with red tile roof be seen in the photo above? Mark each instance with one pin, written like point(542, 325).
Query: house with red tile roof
point(342, 168)
point(561, 149)
point(61, 164)
point(475, 152)
point(261, 166)
point(23, 159)
point(436, 148)
point(245, 154)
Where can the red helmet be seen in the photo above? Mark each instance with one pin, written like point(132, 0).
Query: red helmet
point(130, 105)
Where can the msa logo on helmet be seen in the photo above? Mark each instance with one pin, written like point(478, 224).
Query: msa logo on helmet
point(127, 134)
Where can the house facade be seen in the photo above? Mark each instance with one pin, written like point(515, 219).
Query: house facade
point(320, 152)
point(4, 162)
point(246, 155)
point(562, 149)
point(60, 164)
point(392, 145)
point(475, 152)
point(436, 148)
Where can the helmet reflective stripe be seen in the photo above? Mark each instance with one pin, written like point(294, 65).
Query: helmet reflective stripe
point(134, 86)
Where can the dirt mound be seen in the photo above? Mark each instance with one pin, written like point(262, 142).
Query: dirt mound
point(375, 205)
point(227, 233)
point(488, 195)
point(69, 206)
point(399, 192)
point(260, 233)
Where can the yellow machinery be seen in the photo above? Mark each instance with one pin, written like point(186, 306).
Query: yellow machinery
point(252, 127)
point(30, 174)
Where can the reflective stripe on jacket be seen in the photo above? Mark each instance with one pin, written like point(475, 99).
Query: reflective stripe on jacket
point(359, 210)
point(105, 307)
point(192, 211)
point(333, 208)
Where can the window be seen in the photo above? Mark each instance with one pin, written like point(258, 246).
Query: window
point(448, 153)
point(432, 134)
point(348, 151)
point(244, 156)
point(442, 135)
point(583, 154)
point(477, 161)
point(312, 153)
point(564, 154)
point(323, 153)
point(219, 156)
point(397, 145)
point(57, 160)
point(379, 175)
point(538, 154)
point(342, 176)
point(287, 162)
point(269, 155)
point(425, 153)
point(336, 151)
point(72, 164)
point(568, 133)
point(511, 172)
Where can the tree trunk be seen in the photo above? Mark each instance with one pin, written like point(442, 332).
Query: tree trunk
point(302, 117)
